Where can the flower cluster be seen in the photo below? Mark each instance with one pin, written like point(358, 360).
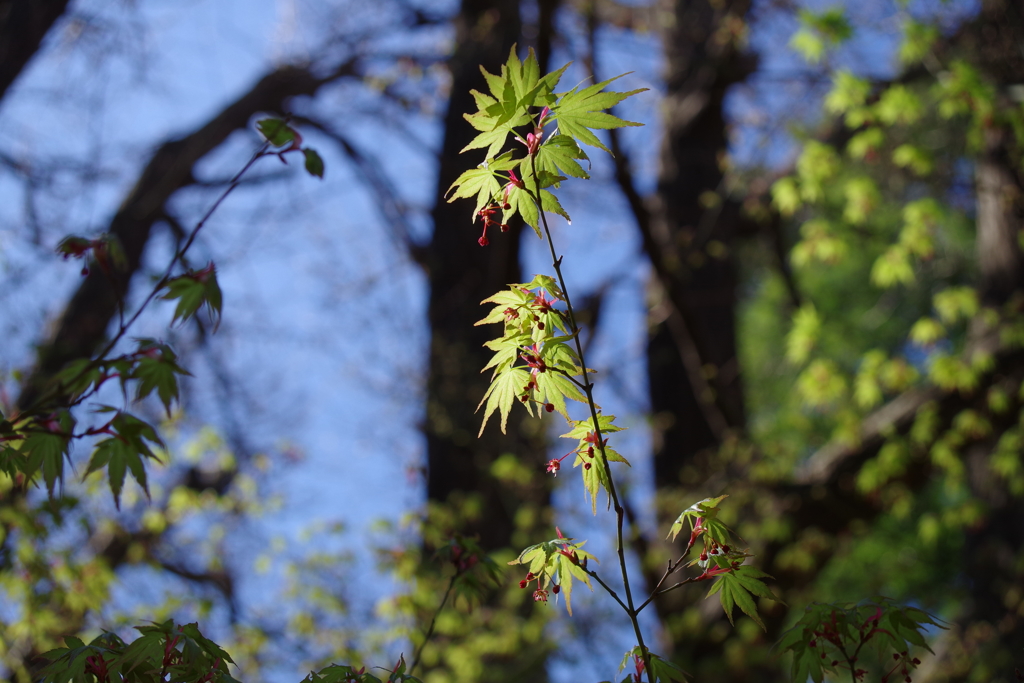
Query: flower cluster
point(487, 214)
point(539, 594)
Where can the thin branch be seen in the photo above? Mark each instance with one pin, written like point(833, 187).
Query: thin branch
point(433, 620)
point(588, 387)
point(608, 588)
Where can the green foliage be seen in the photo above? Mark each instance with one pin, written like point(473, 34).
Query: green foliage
point(918, 39)
point(553, 565)
point(830, 637)
point(194, 290)
point(588, 451)
point(163, 652)
point(277, 132)
point(820, 31)
point(125, 449)
point(514, 93)
point(702, 517)
point(579, 112)
point(848, 91)
point(42, 441)
point(738, 585)
point(314, 164)
point(539, 359)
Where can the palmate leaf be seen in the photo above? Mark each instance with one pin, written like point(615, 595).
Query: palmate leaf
point(482, 182)
point(45, 453)
point(559, 156)
point(506, 351)
point(157, 370)
point(579, 111)
point(522, 200)
point(581, 428)
point(738, 587)
point(514, 297)
point(503, 393)
point(557, 561)
point(79, 376)
point(706, 509)
point(124, 451)
point(554, 388)
point(513, 92)
point(880, 622)
point(595, 474)
point(194, 290)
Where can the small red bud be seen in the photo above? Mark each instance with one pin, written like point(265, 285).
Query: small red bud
point(895, 655)
point(550, 407)
point(916, 661)
point(530, 576)
point(834, 662)
point(586, 465)
point(522, 584)
point(483, 241)
point(556, 589)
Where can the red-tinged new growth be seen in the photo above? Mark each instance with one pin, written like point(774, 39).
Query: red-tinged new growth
point(487, 214)
point(638, 664)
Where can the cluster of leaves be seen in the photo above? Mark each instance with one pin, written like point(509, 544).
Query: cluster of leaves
point(830, 637)
point(538, 360)
point(179, 653)
point(515, 96)
point(163, 652)
point(552, 565)
point(533, 363)
point(37, 441)
point(39, 444)
point(339, 673)
point(876, 209)
point(737, 584)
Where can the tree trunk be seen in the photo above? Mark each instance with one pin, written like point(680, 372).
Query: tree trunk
point(23, 25)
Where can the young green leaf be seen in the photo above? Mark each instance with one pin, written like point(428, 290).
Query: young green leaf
point(579, 111)
point(124, 451)
point(277, 132)
point(504, 391)
point(194, 290)
point(314, 164)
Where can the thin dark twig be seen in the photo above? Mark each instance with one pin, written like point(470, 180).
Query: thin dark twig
point(608, 588)
point(433, 621)
point(679, 584)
